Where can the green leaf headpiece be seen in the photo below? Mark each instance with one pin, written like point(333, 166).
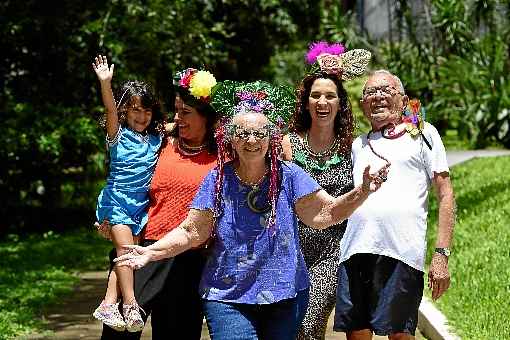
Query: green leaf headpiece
point(277, 102)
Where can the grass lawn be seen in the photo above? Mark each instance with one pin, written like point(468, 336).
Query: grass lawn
point(477, 303)
point(36, 270)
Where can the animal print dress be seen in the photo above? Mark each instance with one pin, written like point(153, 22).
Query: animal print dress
point(321, 248)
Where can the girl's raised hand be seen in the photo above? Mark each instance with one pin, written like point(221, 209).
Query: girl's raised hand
point(100, 66)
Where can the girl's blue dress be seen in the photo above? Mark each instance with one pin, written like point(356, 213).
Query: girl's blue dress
point(125, 197)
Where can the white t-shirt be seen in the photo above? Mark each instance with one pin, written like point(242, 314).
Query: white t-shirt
point(393, 220)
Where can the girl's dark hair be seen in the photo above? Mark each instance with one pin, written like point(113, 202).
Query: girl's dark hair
point(148, 100)
point(344, 121)
point(211, 116)
point(124, 97)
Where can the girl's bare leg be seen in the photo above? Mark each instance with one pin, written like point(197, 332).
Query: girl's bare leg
point(121, 235)
point(113, 289)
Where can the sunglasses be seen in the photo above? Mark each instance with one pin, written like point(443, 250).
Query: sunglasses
point(245, 134)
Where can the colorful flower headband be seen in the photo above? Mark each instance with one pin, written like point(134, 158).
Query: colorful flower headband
point(252, 101)
point(276, 102)
point(332, 59)
point(194, 85)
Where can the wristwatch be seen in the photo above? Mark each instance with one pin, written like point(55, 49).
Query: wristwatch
point(443, 251)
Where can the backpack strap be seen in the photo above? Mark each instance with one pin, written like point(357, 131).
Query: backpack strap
point(426, 140)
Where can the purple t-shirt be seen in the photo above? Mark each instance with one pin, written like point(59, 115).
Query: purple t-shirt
point(247, 264)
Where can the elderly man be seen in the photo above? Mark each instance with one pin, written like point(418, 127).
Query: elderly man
point(383, 250)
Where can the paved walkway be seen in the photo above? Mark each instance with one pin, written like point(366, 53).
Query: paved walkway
point(72, 318)
point(456, 157)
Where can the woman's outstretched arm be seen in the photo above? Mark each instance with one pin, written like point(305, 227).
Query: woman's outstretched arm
point(192, 232)
point(320, 210)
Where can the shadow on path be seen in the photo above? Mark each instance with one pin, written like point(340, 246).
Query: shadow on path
point(72, 318)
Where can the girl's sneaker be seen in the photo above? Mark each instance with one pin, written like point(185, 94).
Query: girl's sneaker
point(132, 317)
point(109, 315)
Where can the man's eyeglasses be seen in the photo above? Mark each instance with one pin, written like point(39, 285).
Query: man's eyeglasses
point(387, 91)
point(244, 134)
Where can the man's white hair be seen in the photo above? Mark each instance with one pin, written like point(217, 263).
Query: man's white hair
point(400, 86)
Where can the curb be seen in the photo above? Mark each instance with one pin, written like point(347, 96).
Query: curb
point(432, 323)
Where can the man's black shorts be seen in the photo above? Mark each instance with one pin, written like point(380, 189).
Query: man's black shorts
point(378, 293)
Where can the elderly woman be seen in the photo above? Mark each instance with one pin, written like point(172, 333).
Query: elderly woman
point(320, 138)
point(168, 289)
point(255, 282)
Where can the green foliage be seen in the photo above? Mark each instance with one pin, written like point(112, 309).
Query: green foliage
point(50, 133)
point(477, 91)
point(39, 269)
point(354, 89)
point(52, 144)
point(153, 39)
point(457, 65)
point(287, 66)
point(477, 302)
point(339, 26)
point(45, 155)
point(260, 29)
point(454, 58)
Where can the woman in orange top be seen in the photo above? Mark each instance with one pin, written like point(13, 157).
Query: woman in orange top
point(168, 289)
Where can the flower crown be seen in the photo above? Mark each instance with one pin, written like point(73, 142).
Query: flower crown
point(194, 85)
point(252, 101)
point(332, 59)
point(276, 102)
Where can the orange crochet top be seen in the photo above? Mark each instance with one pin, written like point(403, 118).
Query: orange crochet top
point(175, 182)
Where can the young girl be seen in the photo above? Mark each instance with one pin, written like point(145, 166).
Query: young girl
point(133, 136)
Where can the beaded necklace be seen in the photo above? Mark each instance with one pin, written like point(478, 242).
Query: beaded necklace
point(389, 135)
point(322, 160)
point(188, 150)
point(321, 154)
point(251, 196)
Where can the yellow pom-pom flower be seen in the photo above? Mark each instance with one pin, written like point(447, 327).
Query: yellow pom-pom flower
point(201, 84)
